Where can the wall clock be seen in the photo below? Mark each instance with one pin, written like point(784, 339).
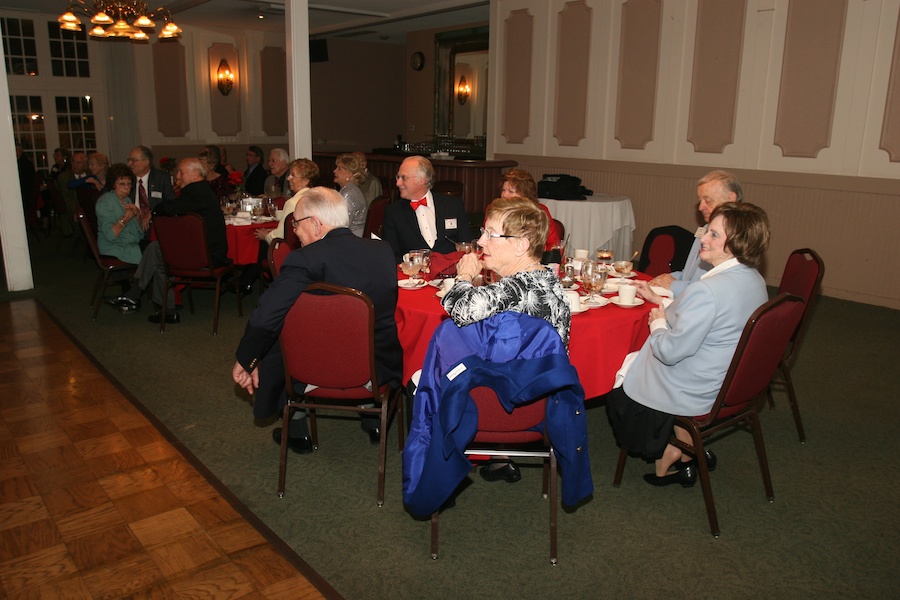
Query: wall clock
point(417, 61)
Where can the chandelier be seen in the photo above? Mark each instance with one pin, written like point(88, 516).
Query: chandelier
point(110, 19)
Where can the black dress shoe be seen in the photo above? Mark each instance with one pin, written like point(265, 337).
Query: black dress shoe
point(124, 304)
point(686, 477)
point(374, 435)
point(299, 445)
point(171, 318)
point(509, 473)
point(711, 461)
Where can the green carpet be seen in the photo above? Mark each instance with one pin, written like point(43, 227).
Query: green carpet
point(831, 532)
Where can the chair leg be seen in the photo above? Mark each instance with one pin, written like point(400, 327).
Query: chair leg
point(382, 452)
point(705, 484)
point(771, 398)
point(434, 535)
point(165, 296)
point(98, 293)
point(553, 508)
point(216, 307)
point(620, 467)
point(398, 415)
point(761, 455)
point(795, 408)
point(282, 465)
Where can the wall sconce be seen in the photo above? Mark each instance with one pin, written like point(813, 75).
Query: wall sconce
point(463, 90)
point(225, 78)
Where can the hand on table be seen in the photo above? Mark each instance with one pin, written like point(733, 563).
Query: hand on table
point(665, 280)
point(643, 288)
point(248, 381)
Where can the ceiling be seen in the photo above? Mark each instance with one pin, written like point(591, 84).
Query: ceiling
point(369, 20)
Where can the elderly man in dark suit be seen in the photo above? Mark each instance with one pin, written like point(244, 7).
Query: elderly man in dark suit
point(329, 253)
point(151, 186)
point(424, 221)
point(196, 197)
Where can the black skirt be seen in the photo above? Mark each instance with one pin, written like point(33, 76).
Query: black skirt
point(638, 429)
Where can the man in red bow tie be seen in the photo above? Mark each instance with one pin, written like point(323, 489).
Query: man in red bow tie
point(425, 221)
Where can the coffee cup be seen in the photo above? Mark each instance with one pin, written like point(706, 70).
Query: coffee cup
point(574, 301)
point(581, 254)
point(447, 284)
point(627, 293)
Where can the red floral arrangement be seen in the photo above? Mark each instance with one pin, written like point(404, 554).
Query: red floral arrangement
point(235, 178)
point(168, 164)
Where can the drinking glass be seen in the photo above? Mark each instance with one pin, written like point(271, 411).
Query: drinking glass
point(605, 257)
point(598, 280)
point(271, 207)
point(587, 275)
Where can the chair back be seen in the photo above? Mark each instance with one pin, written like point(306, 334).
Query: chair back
point(87, 200)
point(182, 241)
point(758, 353)
point(278, 251)
point(802, 277)
point(290, 236)
point(449, 189)
point(495, 425)
point(91, 237)
point(560, 229)
point(375, 216)
point(328, 338)
point(279, 202)
point(665, 250)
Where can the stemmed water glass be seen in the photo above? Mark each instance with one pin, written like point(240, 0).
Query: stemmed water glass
point(587, 276)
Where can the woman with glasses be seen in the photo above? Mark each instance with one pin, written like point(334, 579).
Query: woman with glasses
point(513, 240)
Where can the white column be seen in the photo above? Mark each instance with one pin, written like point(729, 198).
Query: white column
point(296, 22)
point(16, 259)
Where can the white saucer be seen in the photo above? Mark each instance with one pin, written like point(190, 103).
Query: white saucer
point(662, 292)
point(411, 284)
point(616, 275)
point(578, 312)
point(637, 302)
point(601, 301)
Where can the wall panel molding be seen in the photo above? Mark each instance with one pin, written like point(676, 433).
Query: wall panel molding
point(890, 129)
point(638, 72)
point(170, 88)
point(274, 91)
point(224, 111)
point(809, 76)
point(573, 56)
point(517, 58)
point(718, 43)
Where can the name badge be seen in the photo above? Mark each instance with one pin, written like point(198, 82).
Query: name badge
point(155, 194)
point(701, 231)
point(450, 224)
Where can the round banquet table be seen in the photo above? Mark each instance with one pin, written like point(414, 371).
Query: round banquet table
point(243, 247)
point(599, 339)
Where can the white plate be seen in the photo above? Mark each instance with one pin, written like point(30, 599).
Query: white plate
point(578, 312)
point(631, 275)
point(436, 283)
point(637, 302)
point(411, 284)
point(601, 301)
point(661, 291)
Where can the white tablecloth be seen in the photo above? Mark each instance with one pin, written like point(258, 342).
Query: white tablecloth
point(600, 221)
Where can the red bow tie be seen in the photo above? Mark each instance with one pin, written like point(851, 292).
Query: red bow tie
point(417, 203)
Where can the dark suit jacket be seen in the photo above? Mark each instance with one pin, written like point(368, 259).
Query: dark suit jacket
point(159, 190)
point(401, 228)
point(199, 198)
point(340, 258)
point(254, 183)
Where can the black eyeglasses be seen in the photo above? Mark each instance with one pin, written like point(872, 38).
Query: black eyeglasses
point(493, 236)
point(295, 222)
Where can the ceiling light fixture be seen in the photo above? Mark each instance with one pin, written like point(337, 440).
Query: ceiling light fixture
point(111, 19)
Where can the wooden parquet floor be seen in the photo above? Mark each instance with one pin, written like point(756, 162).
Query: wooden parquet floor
point(96, 503)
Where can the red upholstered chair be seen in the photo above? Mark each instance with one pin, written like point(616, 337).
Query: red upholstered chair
point(279, 202)
point(328, 340)
point(504, 434)
point(375, 217)
point(185, 252)
point(112, 270)
point(802, 277)
point(758, 353)
point(560, 229)
point(665, 250)
point(278, 251)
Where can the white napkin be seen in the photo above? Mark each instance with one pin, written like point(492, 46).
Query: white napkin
point(661, 291)
point(241, 221)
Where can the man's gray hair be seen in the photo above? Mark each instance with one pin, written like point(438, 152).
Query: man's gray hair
point(425, 170)
point(729, 182)
point(327, 205)
point(281, 153)
point(196, 165)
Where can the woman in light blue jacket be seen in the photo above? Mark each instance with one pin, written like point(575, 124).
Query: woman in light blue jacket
point(683, 363)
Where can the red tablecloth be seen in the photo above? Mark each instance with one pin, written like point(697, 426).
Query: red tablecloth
point(243, 247)
point(598, 342)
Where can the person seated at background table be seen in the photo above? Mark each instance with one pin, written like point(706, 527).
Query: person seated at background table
point(220, 184)
point(713, 189)
point(424, 221)
point(517, 182)
point(349, 173)
point(74, 174)
point(119, 231)
point(301, 172)
point(254, 181)
point(513, 240)
point(371, 185)
point(330, 253)
point(276, 183)
point(683, 363)
point(98, 165)
point(196, 197)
